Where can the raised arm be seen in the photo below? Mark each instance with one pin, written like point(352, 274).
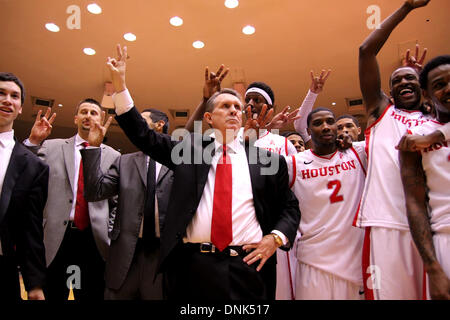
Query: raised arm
point(211, 86)
point(413, 179)
point(158, 146)
point(316, 87)
point(369, 73)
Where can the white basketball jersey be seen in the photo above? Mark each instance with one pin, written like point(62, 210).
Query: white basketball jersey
point(276, 144)
point(383, 200)
point(436, 165)
point(329, 191)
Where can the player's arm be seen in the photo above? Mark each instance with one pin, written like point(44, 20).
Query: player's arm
point(418, 142)
point(413, 179)
point(211, 86)
point(369, 73)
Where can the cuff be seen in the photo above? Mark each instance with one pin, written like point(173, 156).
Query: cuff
point(29, 144)
point(122, 101)
point(282, 236)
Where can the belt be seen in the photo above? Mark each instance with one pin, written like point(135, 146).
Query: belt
point(209, 248)
point(71, 225)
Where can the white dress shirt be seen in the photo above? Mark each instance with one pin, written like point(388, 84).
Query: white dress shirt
point(245, 226)
point(6, 147)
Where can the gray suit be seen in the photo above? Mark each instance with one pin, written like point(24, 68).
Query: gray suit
point(59, 155)
point(127, 178)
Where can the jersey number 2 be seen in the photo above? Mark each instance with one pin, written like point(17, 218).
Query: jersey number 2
point(336, 185)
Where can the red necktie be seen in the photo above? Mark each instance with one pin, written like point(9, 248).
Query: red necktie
point(81, 218)
point(221, 227)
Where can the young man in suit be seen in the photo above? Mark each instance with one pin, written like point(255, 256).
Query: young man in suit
point(75, 231)
point(143, 187)
point(222, 205)
point(23, 193)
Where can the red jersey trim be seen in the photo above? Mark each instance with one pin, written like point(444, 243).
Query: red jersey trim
point(359, 159)
point(325, 157)
point(379, 119)
point(286, 145)
point(366, 263)
point(294, 169)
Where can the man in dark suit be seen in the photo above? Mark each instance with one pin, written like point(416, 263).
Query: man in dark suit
point(23, 193)
point(222, 205)
point(132, 249)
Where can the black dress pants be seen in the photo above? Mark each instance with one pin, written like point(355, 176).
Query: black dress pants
point(78, 264)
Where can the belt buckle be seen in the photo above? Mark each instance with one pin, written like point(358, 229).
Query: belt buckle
point(233, 253)
point(209, 247)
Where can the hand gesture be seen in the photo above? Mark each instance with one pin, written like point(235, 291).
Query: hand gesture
point(414, 61)
point(255, 122)
point(117, 68)
point(283, 118)
point(344, 141)
point(97, 131)
point(317, 83)
point(417, 3)
point(42, 127)
point(212, 81)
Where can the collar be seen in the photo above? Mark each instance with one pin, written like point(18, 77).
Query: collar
point(7, 138)
point(79, 140)
point(234, 146)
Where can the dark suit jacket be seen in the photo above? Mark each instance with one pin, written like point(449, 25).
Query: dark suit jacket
point(22, 202)
point(127, 178)
point(276, 206)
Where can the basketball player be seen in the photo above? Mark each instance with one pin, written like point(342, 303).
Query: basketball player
point(427, 174)
point(328, 184)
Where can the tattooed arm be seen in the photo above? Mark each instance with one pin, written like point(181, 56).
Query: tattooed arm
point(413, 179)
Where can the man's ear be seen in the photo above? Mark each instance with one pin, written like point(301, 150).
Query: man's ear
point(426, 95)
point(160, 124)
point(207, 116)
point(309, 131)
point(359, 130)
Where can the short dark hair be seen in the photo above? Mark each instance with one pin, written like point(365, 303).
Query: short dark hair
point(157, 115)
point(432, 64)
point(7, 76)
point(290, 133)
point(308, 120)
point(88, 100)
point(211, 101)
point(265, 87)
point(349, 116)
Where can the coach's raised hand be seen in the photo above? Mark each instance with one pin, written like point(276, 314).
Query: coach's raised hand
point(117, 68)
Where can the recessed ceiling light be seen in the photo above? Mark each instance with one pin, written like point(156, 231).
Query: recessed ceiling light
point(94, 8)
point(231, 3)
point(89, 51)
point(129, 36)
point(333, 103)
point(52, 27)
point(176, 21)
point(198, 44)
point(60, 105)
point(248, 30)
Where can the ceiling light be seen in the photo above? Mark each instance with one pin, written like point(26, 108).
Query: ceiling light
point(198, 44)
point(94, 8)
point(129, 36)
point(176, 21)
point(89, 51)
point(248, 30)
point(333, 103)
point(231, 3)
point(60, 105)
point(52, 27)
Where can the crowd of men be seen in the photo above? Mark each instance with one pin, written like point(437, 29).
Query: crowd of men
point(236, 212)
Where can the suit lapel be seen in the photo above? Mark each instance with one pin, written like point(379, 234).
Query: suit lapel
point(140, 161)
point(69, 159)
point(162, 172)
point(15, 168)
point(202, 171)
point(255, 170)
